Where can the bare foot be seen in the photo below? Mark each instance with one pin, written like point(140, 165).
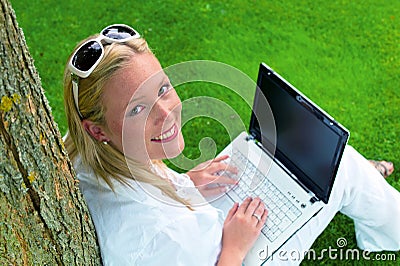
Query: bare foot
point(384, 167)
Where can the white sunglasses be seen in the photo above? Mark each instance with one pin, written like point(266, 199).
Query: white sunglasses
point(89, 54)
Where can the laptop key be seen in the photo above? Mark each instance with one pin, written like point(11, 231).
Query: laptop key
point(274, 228)
point(291, 215)
point(280, 214)
point(284, 223)
point(284, 208)
point(269, 223)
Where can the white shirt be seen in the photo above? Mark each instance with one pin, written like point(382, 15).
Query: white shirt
point(141, 226)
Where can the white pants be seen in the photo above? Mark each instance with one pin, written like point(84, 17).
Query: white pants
point(361, 193)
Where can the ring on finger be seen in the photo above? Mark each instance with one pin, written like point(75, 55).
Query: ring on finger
point(257, 217)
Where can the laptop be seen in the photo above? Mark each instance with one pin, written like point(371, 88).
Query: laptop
point(289, 158)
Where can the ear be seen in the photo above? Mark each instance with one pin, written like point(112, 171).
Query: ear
point(95, 131)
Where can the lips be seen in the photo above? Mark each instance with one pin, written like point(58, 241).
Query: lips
point(167, 135)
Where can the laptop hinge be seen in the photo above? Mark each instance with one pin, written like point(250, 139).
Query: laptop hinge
point(314, 199)
point(250, 137)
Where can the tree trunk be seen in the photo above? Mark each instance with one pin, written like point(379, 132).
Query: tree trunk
point(44, 219)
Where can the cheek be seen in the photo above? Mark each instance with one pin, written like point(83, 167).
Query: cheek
point(177, 107)
point(116, 130)
point(116, 127)
point(135, 129)
point(134, 140)
point(177, 102)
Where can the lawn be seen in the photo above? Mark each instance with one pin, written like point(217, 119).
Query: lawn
point(344, 55)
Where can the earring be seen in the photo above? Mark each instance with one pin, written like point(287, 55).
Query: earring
point(105, 142)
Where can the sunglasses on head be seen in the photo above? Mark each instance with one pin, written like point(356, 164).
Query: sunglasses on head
point(89, 54)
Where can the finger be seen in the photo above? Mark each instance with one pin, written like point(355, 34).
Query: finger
point(229, 168)
point(232, 212)
point(263, 219)
point(260, 209)
point(253, 205)
point(208, 179)
point(218, 167)
point(224, 180)
point(220, 158)
point(243, 207)
point(213, 191)
point(213, 167)
point(202, 166)
point(209, 163)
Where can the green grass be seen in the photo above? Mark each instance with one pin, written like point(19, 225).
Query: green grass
point(345, 55)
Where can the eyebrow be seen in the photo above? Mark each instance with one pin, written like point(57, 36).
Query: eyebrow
point(135, 99)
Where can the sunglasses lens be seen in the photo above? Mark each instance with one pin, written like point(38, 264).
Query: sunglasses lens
point(119, 32)
point(87, 56)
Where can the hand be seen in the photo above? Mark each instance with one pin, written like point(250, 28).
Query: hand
point(241, 229)
point(205, 174)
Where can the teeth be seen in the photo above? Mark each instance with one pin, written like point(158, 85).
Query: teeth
point(166, 134)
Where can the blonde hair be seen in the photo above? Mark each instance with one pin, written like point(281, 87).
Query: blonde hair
point(106, 162)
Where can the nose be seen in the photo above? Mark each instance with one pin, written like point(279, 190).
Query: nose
point(164, 110)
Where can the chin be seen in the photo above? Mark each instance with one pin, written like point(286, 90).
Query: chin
point(175, 149)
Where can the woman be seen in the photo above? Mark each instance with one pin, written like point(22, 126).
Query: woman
point(124, 118)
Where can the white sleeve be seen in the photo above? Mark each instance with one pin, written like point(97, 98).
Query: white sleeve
point(184, 241)
point(177, 245)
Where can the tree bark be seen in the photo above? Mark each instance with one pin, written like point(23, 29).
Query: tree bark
point(45, 220)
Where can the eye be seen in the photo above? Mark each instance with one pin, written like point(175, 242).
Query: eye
point(164, 89)
point(136, 110)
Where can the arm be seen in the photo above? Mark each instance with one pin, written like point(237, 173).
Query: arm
point(241, 230)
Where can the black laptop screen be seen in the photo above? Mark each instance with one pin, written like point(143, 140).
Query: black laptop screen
point(308, 142)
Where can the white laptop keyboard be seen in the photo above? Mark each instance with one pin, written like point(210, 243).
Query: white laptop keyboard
point(281, 211)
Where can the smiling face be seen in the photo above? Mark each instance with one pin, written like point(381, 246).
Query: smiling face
point(143, 111)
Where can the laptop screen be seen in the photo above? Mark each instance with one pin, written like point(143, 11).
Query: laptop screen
point(309, 143)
